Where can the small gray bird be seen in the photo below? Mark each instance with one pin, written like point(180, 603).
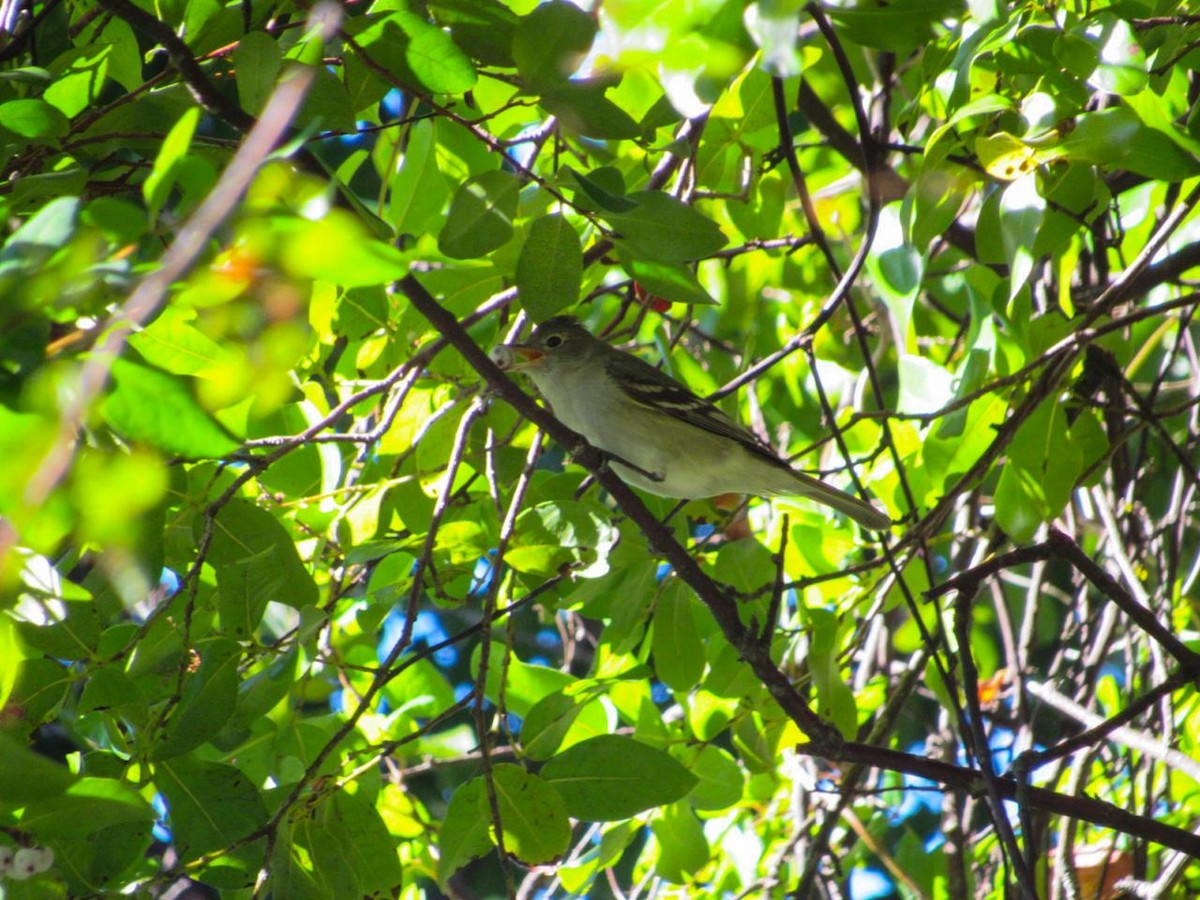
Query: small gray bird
point(662, 437)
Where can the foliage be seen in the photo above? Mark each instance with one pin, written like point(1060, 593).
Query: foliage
point(295, 601)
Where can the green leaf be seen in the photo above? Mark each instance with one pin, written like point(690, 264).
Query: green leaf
point(550, 535)
point(1021, 209)
point(263, 691)
point(1020, 502)
point(614, 777)
point(122, 221)
point(480, 217)
point(582, 107)
point(1122, 65)
point(149, 405)
point(418, 190)
point(80, 75)
point(165, 172)
point(327, 104)
point(110, 688)
point(677, 649)
point(483, 28)
point(175, 345)
point(547, 724)
point(26, 777)
point(924, 385)
point(524, 683)
point(676, 283)
point(604, 188)
point(33, 119)
point(835, 699)
point(337, 248)
point(1043, 466)
point(253, 553)
point(551, 42)
point(682, 848)
point(87, 806)
point(662, 228)
point(70, 634)
point(896, 27)
point(562, 719)
point(550, 268)
point(419, 690)
point(350, 847)
point(418, 52)
point(11, 657)
point(746, 566)
point(720, 780)
point(464, 835)
point(208, 700)
point(897, 269)
point(774, 25)
point(256, 61)
point(42, 234)
point(211, 805)
point(533, 816)
point(1116, 139)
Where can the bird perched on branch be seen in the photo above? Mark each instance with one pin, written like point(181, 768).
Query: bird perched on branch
point(661, 436)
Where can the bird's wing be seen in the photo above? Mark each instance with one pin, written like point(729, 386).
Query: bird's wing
point(649, 387)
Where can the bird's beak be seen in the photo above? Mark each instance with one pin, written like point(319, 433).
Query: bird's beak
point(515, 357)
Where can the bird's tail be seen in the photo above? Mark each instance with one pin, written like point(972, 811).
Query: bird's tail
point(860, 511)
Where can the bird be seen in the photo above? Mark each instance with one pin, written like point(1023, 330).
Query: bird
point(660, 436)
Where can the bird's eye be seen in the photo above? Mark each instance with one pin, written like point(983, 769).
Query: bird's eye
point(553, 341)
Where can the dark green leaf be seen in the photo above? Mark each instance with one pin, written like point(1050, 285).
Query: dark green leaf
point(418, 190)
point(662, 228)
point(207, 702)
point(720, 780)
point(465, 829)
point(582, 107)
point(417, 52)
point(40, 235)
point(550, 268)
point(33, 119)
point(480, 216)
point(88, 806)
point(483, 28)
point(1116, 139)
point(896, 26)
point(257, 60)
point(673, 282)
point(258, 556)
point(677, 649)
point(211, 805)
point(26, 776)
point(682, 847)
point(551, 42)
point(165, 173)
point(614, 777)
point(533, 816)
point(604, 188)
point(150, 405)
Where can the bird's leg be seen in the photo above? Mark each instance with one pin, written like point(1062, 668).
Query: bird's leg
point(656, 477)
point(590, 456)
